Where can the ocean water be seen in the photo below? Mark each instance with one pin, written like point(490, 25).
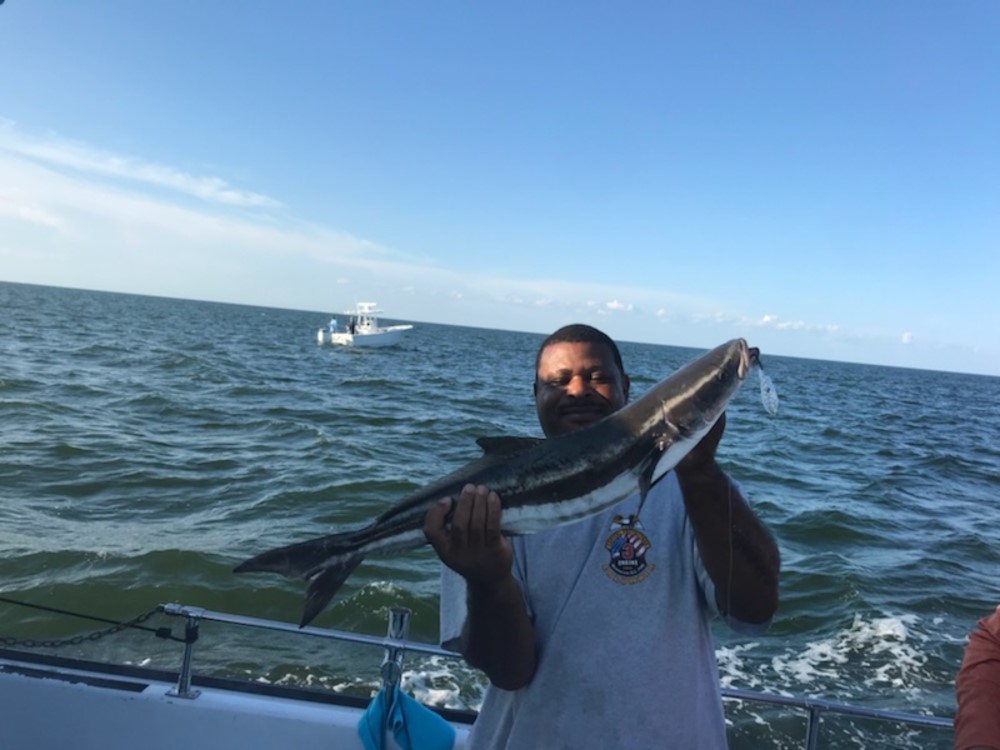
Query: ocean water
point(148, 445)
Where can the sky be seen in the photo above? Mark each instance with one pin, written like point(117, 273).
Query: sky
point(820, 178)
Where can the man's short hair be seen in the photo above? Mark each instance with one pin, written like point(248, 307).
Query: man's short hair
point(581, 333)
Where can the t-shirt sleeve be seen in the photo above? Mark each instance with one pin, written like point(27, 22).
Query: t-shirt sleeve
point(453, 609)
point(977, 688)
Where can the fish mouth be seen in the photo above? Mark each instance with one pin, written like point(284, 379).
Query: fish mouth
point(749, 359)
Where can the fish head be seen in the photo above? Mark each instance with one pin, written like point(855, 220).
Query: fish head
point(692, 398)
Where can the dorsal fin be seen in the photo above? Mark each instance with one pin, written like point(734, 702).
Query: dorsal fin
point(506, 445)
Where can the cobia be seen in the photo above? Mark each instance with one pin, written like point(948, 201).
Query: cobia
point(541, 482)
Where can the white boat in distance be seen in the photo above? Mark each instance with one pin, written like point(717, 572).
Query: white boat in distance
point(362, 329)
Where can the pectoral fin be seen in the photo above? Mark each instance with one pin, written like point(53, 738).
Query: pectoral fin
point(645, 478)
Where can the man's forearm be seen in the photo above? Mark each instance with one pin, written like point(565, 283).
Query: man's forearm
point(498, 637)
point(738, 552)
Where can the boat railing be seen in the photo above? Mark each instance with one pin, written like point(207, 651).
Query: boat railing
point(395, 644)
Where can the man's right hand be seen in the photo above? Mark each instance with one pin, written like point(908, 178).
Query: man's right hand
point(498, 636)
point(472, 544)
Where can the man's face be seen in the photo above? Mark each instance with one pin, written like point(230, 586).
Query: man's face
point(576, 385)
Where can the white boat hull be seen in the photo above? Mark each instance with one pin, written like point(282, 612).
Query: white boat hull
point(379, 337)
point(67, 703)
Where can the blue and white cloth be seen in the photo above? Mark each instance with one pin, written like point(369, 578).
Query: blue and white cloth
point(412, 725)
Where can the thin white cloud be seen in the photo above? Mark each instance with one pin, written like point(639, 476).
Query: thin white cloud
point(615, 305)
point(906, 338)
point(773, 321)
point(825, 330)
point(30, 214)
point(717, 316)
point(60, 152)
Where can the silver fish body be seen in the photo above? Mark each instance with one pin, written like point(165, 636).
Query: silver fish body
point(541, 482)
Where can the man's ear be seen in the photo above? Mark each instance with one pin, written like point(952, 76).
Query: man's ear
point(625, 385)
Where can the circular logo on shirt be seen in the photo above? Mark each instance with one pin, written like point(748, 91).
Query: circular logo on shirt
point(628, 547)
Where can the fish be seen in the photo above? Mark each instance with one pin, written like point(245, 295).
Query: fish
point(542, 482)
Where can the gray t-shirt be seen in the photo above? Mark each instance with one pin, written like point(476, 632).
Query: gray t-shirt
point(625, 657)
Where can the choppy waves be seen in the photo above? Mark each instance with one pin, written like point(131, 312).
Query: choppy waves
point(152, 444)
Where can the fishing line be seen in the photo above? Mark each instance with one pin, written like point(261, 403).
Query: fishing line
point(729, 582)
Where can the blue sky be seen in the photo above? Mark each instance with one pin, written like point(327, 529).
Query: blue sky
point(821, 178)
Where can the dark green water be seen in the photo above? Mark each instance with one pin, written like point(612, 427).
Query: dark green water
point(148, 445)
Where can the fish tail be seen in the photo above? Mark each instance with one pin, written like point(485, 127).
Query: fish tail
point(302, 559)
point(324, 585)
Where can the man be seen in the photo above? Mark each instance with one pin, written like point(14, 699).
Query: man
point(595, 634)
point(977, 689)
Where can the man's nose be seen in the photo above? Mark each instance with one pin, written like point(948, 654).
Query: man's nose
point(578, 385)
